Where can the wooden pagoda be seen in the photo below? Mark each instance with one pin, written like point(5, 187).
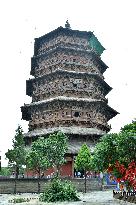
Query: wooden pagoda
point(68, 90)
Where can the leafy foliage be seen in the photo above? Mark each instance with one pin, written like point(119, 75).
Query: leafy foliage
point(59, 190)
point(5, 171)
point(126, 174)
point(130, 128)
point(116, 153)
point(114, 147)
point(17, 155)
point(83, 160)
point(105, 152)
point(36, 158)
point(47, 152)
point(126, 148)
point(19, 200)
point(56, 148)
point(130, 174)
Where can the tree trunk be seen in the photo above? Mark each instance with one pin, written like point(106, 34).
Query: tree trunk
point(57, 170)
point(85, 180)
point(16, 177)
point(39, 176)
point(15, 187)
point(17, 171)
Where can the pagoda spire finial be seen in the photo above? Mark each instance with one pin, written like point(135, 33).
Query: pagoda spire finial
point(67, 24)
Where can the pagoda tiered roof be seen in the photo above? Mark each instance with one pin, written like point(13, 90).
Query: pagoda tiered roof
point(68, 89)
point(67, 130)
point(81, 102)
point(69, 32)
point(57, 73)
point(60, 30)
point(48, 54)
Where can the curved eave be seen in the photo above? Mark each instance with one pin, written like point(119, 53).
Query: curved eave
point(62, 98)
point(106, 109)
point(70, 73)
point(26, 114)
point(69, 32)
point(61, 30)
point(96, 45)
point(59, 49)
point(74, 147)
point(66, 130)
point(111, 112)
point(26, 109)
point(29, 87)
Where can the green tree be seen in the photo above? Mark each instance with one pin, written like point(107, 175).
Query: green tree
point(47, 152)
point(17, 155)
point(126, 148)
point(130, 128)
point(83, 160)
point(56, 149)
point(112, 148)
point(127, 144)
point(5, 171)
point(37, 158)
point(105, 152)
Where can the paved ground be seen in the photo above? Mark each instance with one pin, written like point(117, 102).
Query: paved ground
point(92, 198)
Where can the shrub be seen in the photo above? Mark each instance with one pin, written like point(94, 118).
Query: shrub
point(59, 190)
point(18, 200)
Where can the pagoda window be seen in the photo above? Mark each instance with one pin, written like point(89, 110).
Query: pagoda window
point(41, 125)
point(64, 83)
point(88, 114)
point(68, 113)
point(63, 114)
point(74, 85)
point(43, 117)
point(56, 114)
point(76, 114)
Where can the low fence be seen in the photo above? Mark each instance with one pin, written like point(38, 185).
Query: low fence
point(129, 196)
point(29, 185)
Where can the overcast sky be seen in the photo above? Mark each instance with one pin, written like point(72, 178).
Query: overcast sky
point(114, 24)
